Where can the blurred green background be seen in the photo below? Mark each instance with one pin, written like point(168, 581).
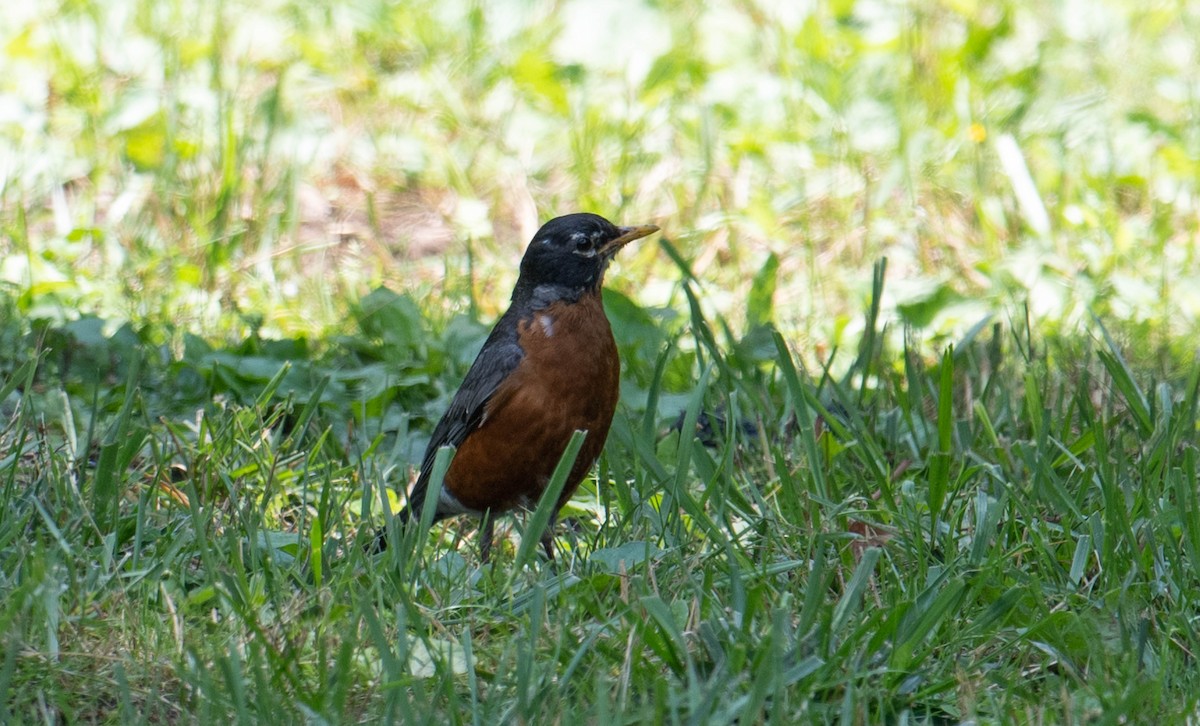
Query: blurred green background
point(208, 163)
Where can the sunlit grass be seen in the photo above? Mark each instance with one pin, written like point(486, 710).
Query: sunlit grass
point(958, 486)
point(980, 537)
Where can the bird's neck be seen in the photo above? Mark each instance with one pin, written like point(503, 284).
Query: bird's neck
point(538, 296)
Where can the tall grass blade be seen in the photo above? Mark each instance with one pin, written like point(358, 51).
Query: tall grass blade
point(849, 602)
point(116, 451)
point(939, 464)
point(547, 506)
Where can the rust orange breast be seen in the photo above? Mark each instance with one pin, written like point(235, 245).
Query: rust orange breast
point(568, 380)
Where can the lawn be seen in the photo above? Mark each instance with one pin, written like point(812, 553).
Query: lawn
point(909, 415)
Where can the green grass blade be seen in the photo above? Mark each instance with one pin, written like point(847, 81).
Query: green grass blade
point(548, 504)
point(803, 415)
point(1122, 378)
point(869, 345)
point(852, 597)
point(268, 391)
point(115, 454)
point(939, 464)
point(22, 376)
point(1133, 397)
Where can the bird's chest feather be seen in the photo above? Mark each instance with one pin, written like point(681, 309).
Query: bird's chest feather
point(571, 359)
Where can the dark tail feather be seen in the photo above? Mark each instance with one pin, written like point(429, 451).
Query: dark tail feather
point(379, 542)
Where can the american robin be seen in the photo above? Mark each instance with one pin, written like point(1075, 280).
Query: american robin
point(549, 367)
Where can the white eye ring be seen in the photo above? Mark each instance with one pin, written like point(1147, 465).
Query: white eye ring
point(578, 239)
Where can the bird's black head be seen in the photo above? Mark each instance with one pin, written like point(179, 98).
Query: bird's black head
point(569, 254)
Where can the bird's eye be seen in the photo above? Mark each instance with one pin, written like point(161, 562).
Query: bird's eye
point(584, 244)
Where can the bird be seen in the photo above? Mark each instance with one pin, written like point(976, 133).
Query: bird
point(548, 368)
